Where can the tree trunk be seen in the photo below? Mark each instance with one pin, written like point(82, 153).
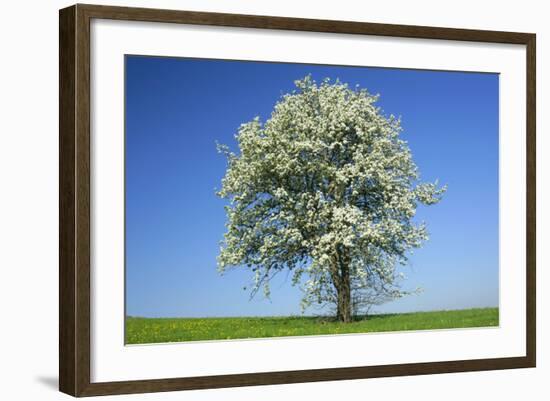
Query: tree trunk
point(344, 301)
point(343, 290)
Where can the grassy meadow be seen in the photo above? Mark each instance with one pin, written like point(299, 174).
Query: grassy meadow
point(141, 330)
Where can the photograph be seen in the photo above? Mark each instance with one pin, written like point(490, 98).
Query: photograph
point(254, 198)
point(271, 199)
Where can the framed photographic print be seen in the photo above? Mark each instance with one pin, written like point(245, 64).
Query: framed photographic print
point(250, 200)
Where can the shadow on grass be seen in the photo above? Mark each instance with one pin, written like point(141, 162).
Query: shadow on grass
point(356, 318)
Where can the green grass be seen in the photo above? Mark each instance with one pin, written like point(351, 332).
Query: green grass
point(161, 330)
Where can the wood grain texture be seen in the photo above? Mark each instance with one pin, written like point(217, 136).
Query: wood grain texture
point(302, 376)
point(67, 294)
point(74, 205)
point(82, 201)
point(531, 202)
point(301, 24)
point(74, 199)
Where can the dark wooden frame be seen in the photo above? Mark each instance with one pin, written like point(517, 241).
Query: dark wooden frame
point(74, 200)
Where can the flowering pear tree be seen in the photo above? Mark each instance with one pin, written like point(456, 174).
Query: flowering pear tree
point(327, 190)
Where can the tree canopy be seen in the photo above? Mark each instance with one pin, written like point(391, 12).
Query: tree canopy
point(326, 189)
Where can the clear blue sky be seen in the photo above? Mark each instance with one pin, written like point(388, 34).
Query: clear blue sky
point(176, 109)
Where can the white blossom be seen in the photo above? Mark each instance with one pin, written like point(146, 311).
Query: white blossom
point(326, 189)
